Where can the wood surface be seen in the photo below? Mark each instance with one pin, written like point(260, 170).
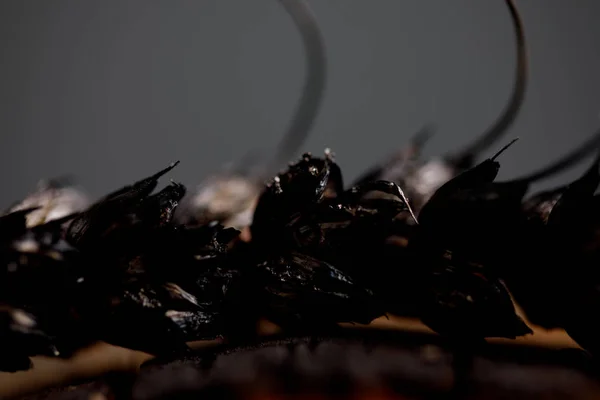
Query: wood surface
point(102, 357)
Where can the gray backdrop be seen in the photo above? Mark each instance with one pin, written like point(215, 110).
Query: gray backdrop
point(112, 91)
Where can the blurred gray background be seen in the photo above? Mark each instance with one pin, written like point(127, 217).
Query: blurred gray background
point(111, 91)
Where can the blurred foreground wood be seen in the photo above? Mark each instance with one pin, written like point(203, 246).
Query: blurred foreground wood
point(358, 364)
point(102, 358)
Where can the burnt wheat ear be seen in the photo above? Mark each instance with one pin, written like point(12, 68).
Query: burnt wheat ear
point(475, 223)
point(319, 255)
point(421, 178)
point(566, 223)
point(229, 196)
point(96, 221)
point(457, 294)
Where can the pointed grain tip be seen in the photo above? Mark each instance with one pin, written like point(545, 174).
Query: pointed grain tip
point(502, 150)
